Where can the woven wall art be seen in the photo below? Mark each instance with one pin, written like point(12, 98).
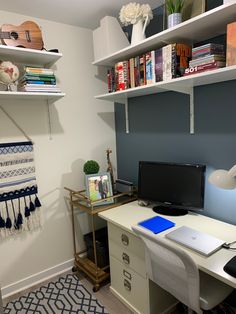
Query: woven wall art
point(19, 204)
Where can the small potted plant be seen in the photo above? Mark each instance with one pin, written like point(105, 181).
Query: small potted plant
point(91, 167)
point(174, 10)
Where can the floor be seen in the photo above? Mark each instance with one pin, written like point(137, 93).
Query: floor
point(111, 303)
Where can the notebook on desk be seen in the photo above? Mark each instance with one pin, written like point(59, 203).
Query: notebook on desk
point(157, 224)
point(198, 241)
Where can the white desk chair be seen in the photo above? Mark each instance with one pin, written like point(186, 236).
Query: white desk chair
point(1, 305)
point(176, 272)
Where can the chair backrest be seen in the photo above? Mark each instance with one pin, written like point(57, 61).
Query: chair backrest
point(1, 305)
point(171, 268)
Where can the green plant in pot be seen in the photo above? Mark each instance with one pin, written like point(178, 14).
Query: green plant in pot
point(174, 10)
point(91, 167)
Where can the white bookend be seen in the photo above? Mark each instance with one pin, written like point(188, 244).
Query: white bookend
point(108, 38)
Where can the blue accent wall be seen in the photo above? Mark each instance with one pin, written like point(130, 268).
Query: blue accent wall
point(159, 131)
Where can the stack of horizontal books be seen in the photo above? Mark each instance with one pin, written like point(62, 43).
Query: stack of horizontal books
point(38, 80)
point(206, 57)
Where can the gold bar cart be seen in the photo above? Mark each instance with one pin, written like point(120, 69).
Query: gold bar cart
point(78, 199)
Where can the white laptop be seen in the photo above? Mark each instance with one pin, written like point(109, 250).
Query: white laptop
point(198, 241)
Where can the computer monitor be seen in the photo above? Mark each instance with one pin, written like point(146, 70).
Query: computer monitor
point(173, 188)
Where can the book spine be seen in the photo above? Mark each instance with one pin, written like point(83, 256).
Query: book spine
point(183, 55)
point(150, 67)
point(167, 62)
point(126, 74)
point(159, 65)
point(120, 81)
point(205, 67)
point(142, 70)
point(201, 61)
point(209, 46)
point(109, 80)
point(132, 75)
point(207, 53)
point(137, 71)
point(231, 44)
point(39, 70)
point(38, 82)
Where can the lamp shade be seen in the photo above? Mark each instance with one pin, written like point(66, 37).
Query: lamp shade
point(223, 179)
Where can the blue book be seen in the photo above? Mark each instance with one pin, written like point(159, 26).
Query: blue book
point(157, 224)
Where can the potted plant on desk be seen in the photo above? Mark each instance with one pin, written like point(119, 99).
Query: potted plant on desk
point(174, 10)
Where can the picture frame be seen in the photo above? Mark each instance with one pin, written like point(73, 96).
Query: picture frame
point(98, 188)
point(193, 8)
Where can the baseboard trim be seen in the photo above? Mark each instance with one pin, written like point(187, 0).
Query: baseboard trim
point(37, 278)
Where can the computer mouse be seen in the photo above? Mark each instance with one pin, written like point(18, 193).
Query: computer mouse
point(230, 267)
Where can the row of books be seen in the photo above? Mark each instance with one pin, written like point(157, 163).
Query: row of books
point(162, 64)
point(205, 58)
point(38, 80)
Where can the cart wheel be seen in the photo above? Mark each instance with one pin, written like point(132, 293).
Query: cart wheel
point(96, 288)
point(74, 269)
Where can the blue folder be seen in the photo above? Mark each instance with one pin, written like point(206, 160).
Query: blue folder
point(157, 224)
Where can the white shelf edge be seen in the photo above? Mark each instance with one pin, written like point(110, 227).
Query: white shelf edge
point(29, 56)
point(181, 84)
point(180, 30)
point(29, 95)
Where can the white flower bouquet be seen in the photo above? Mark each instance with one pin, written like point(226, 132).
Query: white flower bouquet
point(132, 12)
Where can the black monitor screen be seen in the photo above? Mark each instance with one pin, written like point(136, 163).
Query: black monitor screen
point(179, 185)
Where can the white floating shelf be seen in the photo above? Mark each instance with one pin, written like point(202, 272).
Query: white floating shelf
point(204, 26)
point(28, 56)
point(51, 97)
point(183, 84)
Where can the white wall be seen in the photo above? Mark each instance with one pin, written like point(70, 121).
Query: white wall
point(82, 129)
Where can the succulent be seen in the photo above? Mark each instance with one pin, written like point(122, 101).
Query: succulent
point(91, 167)
point(174, 6)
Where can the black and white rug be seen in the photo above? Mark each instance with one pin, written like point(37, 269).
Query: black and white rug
point(66, 295)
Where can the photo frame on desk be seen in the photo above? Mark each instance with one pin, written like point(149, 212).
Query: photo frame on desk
point(98, 188)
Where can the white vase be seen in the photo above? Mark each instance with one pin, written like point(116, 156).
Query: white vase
point(138, 31)
point(174, 19)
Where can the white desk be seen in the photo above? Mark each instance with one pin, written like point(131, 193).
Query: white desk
point(123, 217)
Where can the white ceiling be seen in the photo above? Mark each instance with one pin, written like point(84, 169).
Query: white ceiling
point(84, 13)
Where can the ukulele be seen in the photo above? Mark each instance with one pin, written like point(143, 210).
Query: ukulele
point(27, 35)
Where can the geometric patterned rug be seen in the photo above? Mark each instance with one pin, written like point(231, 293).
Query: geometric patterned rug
point(66, 295)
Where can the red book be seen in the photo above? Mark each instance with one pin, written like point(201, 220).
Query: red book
point(204, 67)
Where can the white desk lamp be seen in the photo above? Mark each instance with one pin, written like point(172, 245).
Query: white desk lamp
point(224, 179)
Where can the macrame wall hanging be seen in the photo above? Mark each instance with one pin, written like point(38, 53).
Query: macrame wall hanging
point(19, 204)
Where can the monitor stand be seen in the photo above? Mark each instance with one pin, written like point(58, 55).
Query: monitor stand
point(170, 211)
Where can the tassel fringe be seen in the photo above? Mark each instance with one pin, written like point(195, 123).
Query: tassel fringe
point(14, 218)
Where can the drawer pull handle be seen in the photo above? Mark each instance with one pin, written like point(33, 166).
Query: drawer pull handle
point(125, 239)
point(127, 285)
point(127, 274)
point(125, 258)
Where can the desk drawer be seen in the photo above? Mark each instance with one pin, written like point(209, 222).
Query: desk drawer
point(127, 257)
point(126, 241)
point(129, 285)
